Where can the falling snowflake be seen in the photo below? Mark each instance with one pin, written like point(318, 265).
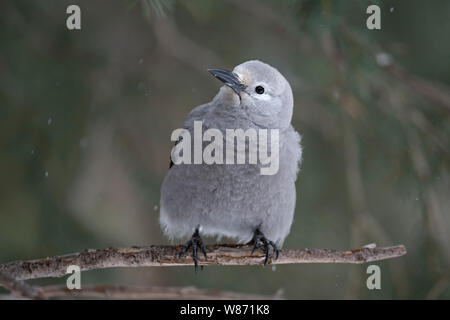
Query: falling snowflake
point(383, 59)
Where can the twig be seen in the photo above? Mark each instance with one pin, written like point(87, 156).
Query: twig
point(434, 91)
point(18, 287)
point(122, 292)
point(435, 215)
point(182, 47)
point(364, 221)
point(132, 292)
point(152, 256)
point(438, 288)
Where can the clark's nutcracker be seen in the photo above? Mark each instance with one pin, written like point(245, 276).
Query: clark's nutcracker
point(236, 200)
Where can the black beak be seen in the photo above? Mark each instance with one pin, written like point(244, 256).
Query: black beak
point(229, 78)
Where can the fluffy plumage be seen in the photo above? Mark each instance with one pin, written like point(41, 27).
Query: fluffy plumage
point(233, 200)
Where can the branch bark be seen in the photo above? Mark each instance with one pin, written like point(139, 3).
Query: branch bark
point(152, 256)
point(19, 288)
point(126, 292)
point(134, 292)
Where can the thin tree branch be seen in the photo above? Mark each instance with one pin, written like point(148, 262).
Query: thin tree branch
point(18, 288)
point(182, 47)
point(433, 91)
point(439, 287)
point(152, 256)
point(122, 292)
point(133, 292)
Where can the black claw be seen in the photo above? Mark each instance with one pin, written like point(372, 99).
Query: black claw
point(260, 240)
point(195, 256)
point(202, 247)
point(255, 244)
point(185, 248)
point(195, 243)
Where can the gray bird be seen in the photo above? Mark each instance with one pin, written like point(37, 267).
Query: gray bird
point(236, 200)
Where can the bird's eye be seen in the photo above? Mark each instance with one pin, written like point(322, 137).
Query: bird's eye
point(259, 90)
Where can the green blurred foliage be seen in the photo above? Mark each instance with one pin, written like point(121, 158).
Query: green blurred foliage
point(86, 117)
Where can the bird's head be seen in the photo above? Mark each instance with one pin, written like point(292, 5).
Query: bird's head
point(264, 94)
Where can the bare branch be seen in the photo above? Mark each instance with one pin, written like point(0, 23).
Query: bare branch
point(434, 91)
point(132, 292)
point(152, 256)
point(18, 288)
point(182, 47)
point(439, 288)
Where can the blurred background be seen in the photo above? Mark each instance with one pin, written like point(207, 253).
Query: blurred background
point(86, 118)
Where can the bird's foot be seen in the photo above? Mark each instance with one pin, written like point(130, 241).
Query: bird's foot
point(195, 243)
point(259, 240)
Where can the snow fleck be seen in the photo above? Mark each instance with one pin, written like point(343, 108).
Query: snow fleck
point(155, 208)
point(392, 9)
point(383, 59)
point(46, 174)
point(141, 60)
point(49, 121)
point(274, 268)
